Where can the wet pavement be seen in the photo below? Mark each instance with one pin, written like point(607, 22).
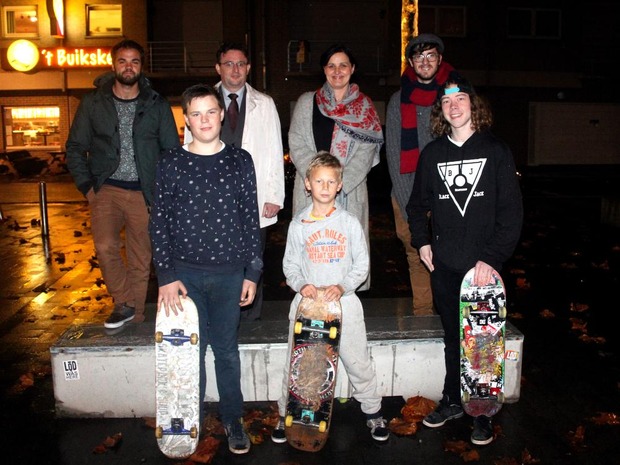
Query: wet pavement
point(561, 294)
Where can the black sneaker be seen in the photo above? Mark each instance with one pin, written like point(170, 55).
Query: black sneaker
point(378, 428)
point(120, 315)
point(238, 440)
point(278, 435)
point(483, 431)
point(442, 414)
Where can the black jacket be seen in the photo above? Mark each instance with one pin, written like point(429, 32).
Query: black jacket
point(93, 146)
point(473, 196)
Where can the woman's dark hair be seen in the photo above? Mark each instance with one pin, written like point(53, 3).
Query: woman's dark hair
point(337, 48)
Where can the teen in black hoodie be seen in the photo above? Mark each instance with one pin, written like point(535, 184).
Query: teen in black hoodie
point(466, 182)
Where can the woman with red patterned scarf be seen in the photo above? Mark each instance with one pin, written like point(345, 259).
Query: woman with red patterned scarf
point(340, 119)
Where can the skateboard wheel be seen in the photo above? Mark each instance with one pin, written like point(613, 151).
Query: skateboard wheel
point(193, 339)
point(159, 432)
point(333, 332)
point(322, 426)
point(465, 397)
point(159, 337)
point(288, 421)
point(193, 432)
point(298, 327)
point(467, 311)
point(503, 312)
point(501, 398)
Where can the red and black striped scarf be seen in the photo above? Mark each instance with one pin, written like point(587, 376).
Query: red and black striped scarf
point(415, 93)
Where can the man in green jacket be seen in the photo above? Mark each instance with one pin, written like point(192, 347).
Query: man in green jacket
point(117, 136)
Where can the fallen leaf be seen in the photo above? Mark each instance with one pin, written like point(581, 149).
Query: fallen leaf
point(527, 459)
point(577, 324)
point(606, 418)
point(256, 437)
point(401, 427)
point(577, 307)
point(522, 283)
point(577, 437)
point(457, 447)
point(271, 419)
point(206, 450)
point(100, 449)
point(108, 443)
point(470, 455)
point(547, 314)
point(592, 339)
point(26, 380)
point(212, 426)
point(112, 441)
point(150, 422)
point(416, 408)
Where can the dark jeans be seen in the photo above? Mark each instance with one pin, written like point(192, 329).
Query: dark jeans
point(217, 299)
point(446, 287)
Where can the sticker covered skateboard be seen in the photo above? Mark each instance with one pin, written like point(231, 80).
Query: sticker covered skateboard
point(482, 336)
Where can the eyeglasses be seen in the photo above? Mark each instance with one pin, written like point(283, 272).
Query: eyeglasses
point(419, 57)
point(232, 64)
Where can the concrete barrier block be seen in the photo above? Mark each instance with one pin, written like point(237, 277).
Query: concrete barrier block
point(97, 373)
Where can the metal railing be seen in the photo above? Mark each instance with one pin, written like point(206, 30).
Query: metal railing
point(199, 56)
point(303, 56)
point(187, 57)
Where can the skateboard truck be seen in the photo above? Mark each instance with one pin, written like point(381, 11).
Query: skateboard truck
point(317, 327)
point(177, 427)
point(176, 337)
point(306, 418)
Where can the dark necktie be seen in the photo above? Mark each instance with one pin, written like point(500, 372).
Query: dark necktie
point(233, 111)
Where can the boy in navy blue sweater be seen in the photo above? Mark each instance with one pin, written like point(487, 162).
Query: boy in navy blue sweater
point(206, 243)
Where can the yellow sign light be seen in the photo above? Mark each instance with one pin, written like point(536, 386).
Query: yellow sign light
point(22, 55)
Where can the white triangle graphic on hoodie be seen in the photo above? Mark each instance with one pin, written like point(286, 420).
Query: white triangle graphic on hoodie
point(461, 179)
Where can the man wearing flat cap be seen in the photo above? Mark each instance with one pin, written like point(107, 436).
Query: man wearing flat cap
point(407, 132)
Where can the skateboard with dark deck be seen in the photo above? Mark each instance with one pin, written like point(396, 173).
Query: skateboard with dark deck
point(312, 373)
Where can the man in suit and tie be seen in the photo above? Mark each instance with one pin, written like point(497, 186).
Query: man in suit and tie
point(252, 123)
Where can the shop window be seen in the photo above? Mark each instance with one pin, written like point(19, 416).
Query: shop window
point(104, 20)
point(31, 127)
point(20, 21)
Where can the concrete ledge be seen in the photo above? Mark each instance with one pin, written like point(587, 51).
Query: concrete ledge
point(100, 374)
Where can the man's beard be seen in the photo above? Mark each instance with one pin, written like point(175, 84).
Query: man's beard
point(129, 80)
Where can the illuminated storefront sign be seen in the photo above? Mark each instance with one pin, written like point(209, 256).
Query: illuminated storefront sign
point(85, 57)
point(25, 56)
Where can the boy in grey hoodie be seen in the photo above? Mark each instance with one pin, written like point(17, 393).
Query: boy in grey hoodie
point(326, 248)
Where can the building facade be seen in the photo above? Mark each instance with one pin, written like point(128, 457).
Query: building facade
point(515, 55)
